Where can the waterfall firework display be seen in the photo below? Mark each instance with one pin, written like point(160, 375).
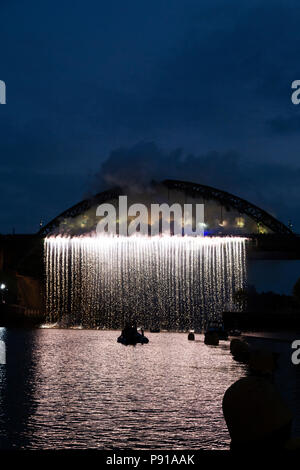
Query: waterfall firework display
point(173, 282)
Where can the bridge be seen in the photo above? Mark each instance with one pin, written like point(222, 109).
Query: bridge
point(278, 243)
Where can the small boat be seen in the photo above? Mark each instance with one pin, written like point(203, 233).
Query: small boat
point(154, 330)
point(219, 329)
point(130, 335)
point(138, 338)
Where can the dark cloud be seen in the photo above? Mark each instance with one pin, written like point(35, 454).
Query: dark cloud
point(144, 162)
point(262, 184)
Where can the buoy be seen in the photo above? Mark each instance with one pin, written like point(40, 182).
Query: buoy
point(256, 415)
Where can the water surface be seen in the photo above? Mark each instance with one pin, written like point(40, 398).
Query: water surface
point(64, 389)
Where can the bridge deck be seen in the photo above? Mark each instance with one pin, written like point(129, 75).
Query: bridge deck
point(273, 247)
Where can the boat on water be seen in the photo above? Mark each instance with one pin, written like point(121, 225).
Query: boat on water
point(218, 329)
point(133, 340)
point(130, 335)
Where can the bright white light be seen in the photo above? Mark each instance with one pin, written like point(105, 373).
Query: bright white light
point(48, 325)
point(93, 280)
point(2, 286)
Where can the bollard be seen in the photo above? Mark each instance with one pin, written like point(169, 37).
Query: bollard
point(262, 362)
point(256, 415)
point(240, 350)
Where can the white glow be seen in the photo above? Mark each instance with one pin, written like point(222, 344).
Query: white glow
point(2, 286)
point(223, 223)
point(46, 326)
point(104, 239)
point(94, 280)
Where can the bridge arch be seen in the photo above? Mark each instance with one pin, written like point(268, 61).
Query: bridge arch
point(198, 191)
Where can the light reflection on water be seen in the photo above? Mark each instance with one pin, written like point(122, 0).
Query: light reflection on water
point(81, 389)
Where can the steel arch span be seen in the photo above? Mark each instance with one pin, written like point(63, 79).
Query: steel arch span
point(224, 198)
point(232, 201)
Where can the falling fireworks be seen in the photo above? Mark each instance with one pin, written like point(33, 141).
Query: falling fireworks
point(167, 281)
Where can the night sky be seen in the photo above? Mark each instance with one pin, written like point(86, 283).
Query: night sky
point(102, 92)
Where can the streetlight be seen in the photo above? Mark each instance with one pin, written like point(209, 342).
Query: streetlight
point(2, 288)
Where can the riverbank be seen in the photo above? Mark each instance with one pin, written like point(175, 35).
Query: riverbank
point(17, 316)
point(277, 336)
point(259, 321)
